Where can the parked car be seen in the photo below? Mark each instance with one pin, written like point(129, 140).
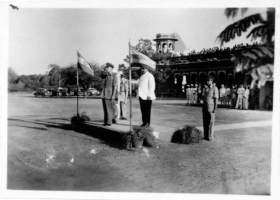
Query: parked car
point(41, 92)
point(62, 91)
point(93, 92)
point(54, 92)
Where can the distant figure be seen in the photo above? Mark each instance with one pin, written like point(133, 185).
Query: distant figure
point(240, 93)
point(195, 94)
point(192, 93)
point(246, 97)
point(188, 94)
point(222, 94)
point(228, 97)
point(199, 93)
point(233, 96)
point(14, 7)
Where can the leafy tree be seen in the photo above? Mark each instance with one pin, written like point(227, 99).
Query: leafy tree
point(256, 61)
point(54, 74)
point(69, 77)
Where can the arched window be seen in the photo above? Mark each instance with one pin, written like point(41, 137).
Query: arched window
point(222, 78)
point(164, 47)
point(202, 78)
point(193, 78)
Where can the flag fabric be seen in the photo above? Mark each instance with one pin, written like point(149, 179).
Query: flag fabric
point(140, 60)
point(84, 65)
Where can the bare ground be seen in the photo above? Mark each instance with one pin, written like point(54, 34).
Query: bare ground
point(45, 154)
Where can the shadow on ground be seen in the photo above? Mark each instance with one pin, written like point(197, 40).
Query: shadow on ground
point(110, 137)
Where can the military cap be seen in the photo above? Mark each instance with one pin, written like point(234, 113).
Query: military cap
point(109, 65)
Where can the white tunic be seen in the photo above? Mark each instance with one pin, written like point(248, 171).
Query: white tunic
point(146, 86)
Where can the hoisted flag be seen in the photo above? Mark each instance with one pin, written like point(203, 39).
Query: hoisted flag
point(140, 60)
point(84, 65)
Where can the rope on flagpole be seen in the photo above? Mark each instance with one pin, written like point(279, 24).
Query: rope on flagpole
point(130, 103)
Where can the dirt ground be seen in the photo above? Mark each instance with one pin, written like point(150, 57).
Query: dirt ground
point(44, 153)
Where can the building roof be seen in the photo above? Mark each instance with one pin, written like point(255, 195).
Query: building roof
point(162, 36)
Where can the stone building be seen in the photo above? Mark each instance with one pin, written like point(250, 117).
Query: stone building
point(196, 66)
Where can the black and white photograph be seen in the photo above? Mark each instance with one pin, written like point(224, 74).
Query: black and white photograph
point(140, 99)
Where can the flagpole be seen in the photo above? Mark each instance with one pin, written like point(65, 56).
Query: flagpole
point(130, 103)
point(77, 90)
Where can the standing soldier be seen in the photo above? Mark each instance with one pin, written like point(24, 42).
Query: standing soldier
point(246, 97)
point(199, 93)
point(210, 102)
point(222, 94)
point(116, 105)
point(146, 95)
point(233, 96)
point(195, 94)
point(192, 93)
point(123, 97)
point(228, 93)
point(240, 93)
point(108, 94)
point(188, 93)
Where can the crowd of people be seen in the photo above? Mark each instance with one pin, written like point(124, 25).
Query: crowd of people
point(231, 96)
point(222, 49)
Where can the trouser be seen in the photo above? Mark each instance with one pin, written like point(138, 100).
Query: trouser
point(239, 102)
point(108, 111)
point(245, 103)
point(116, 110)
point(233, 102)
point(188, 98)
point(145, 106)
point(195, 99)
point(208, 125)
point(123, 109)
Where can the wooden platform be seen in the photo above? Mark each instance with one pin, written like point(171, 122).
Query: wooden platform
point(123, 126)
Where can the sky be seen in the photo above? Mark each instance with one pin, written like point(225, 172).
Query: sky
point(42, 36)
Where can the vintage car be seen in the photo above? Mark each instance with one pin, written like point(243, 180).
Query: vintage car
point(62, 91)
point(93, 92)
point(41, 92)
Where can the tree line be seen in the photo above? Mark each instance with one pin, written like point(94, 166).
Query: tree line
point(57, 76)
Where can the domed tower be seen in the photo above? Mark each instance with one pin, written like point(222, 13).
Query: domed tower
point(165, 42)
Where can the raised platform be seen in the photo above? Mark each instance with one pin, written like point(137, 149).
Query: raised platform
point(123, 126)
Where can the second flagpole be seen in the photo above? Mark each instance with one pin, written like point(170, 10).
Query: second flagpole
point(130, 100)
point(77, 90)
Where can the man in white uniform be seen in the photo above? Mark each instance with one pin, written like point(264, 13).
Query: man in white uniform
point(240, 92)
point(146, 94)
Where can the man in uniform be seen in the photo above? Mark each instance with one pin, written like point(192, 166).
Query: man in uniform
point(123, 94)
point(146, 94)
point(116, 105)
point(108, 94)
point(210, 102)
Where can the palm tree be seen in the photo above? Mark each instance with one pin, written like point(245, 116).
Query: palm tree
point(257, 60)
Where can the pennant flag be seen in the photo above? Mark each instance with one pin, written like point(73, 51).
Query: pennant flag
point(140, 60)
point(84, 65)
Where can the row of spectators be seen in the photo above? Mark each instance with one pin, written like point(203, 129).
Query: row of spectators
point(221, 49)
